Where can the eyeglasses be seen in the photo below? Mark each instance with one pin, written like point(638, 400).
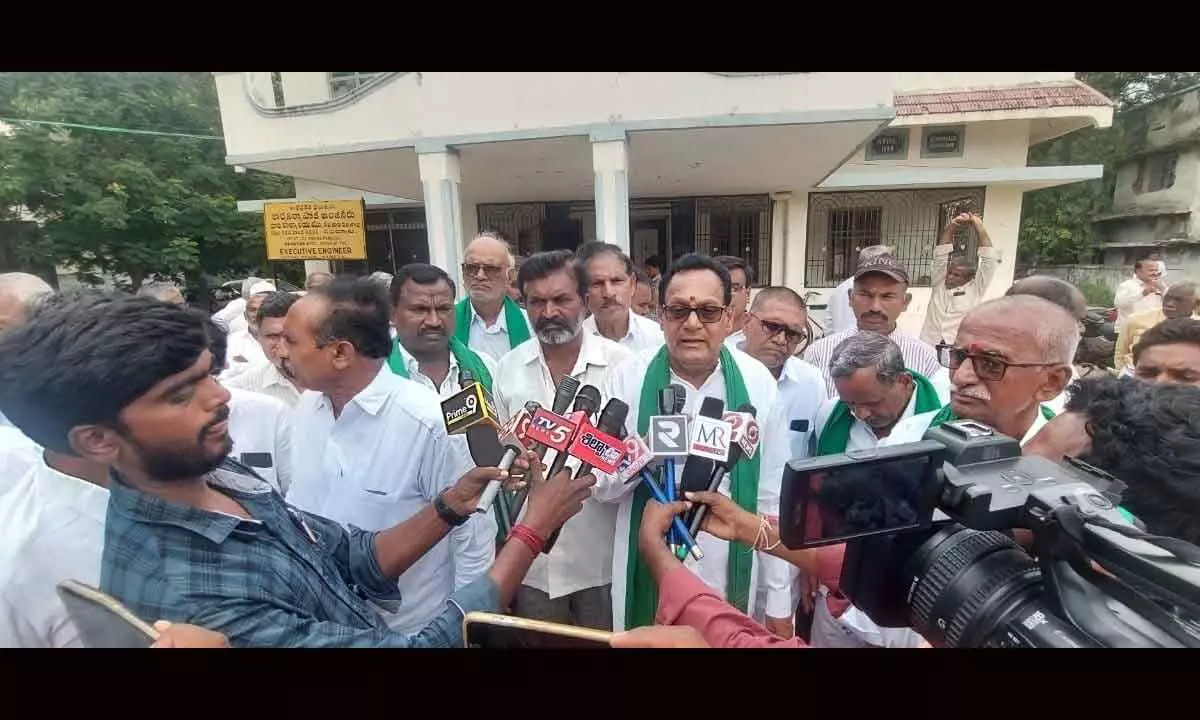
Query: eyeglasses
point(473, 269)
point(990, 368)
point(773, 328)
point(708, 314)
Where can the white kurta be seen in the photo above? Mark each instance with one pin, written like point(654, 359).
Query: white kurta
point(643, 334)
point(17, 455)
point(948, 306)
point(262, 425)
point(265, 378)
point(493, 340)
point(913, 429)
point(582, 555)
point(379, 463)
point(626, 383)
point(841, 315)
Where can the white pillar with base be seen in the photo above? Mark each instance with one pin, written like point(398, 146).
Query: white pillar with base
point(440, 179)
point(610, 163)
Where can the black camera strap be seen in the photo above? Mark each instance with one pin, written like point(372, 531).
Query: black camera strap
point(1183, 550)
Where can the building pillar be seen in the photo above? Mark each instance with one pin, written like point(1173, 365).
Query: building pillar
point(610, 163)
point(779, 246)
point(440, 179)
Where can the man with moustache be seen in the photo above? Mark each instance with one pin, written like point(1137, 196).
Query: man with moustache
point(1169, 353)
point(841, 316)
point(489, 321)
point(572, 583)
point(742, 278)
point(880, 295)
point(1180, 301)
point(425, 349)
point(188, 536)
point(642, 301)
point(371, 446)
point(270, 378)
point(695, 297)
point(245, 352)
point(609, 290)
point(1011, 355)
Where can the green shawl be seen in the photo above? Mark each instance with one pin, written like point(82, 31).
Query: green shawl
point(518, 329)
point(467, 360)
point(641, 595)
point(836, 433)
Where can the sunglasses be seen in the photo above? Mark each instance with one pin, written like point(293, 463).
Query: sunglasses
point(708, 314)
point(773, 328)
point(990, 368)
point(491, 271)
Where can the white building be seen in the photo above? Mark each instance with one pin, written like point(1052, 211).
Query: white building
point(792, 171)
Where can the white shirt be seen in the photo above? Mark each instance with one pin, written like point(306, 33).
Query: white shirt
point(18, 454)
point(626, 384)
point(265, 378)
point(245, 346)
point(801, 392)
point(918, 355)
point(948, 306)
point(643, 334)
point(1130, 300)
point(841, 315)
point(51, 529)
point(493, 340)
point(913, 429)
point(232, 317)
point(261, 429)
point(582, 556)
point(449, 384)
point(383, 460)
point(862, 437)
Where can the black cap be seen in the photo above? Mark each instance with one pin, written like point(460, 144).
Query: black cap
point(884, 265)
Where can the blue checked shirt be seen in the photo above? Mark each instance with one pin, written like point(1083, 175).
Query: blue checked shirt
point(283, 579)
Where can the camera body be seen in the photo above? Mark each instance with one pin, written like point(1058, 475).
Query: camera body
point(927, 528)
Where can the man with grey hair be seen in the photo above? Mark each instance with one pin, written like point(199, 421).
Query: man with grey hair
point(162, 290)
point(957, 286)
point(1069, 298)
point(1010, 356)
point(488, 320)
point(17, 290)
point(841, 316)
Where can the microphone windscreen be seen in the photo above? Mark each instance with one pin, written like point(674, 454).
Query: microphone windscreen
point(712, 407)
point(588, 400)
point(612, 418)
point(485, 446)
point(564, 395)
point(680, 400)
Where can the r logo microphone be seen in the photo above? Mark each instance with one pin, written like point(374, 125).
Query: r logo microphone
point(668, 435)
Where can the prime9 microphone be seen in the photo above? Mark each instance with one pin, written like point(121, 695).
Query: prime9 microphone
point(744, 443)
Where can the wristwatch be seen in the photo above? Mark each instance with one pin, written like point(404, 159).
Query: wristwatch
point(446, 513)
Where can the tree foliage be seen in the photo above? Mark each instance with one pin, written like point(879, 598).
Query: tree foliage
point(120, 203)
point(1056, 223)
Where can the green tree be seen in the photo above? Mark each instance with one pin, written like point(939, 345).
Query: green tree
point(121, 202)
point(1056, 223)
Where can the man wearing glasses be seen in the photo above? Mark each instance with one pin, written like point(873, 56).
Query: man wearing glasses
point(695, 296)
point(1010, 356)
point(775, 325)
point(880, 295)
point(488, 320)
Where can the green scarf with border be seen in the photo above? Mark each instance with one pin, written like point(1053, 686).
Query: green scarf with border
point(641, 594)
point(467, 360)
point(518, 329)
point(836, 433)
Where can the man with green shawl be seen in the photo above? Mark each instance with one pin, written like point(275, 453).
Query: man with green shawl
point(489, 321)
point(425, 349)
point(1010, 356)
point(695, 297)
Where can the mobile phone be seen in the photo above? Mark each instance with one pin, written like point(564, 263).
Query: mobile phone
point(491, 630)
point(103, 622)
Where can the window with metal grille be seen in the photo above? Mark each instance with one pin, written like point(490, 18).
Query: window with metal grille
point(341, 83)
point(738, 226)
point(910, 221)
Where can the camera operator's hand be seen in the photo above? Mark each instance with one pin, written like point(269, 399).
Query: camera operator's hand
point(659, 636)
point(726, 519)
point(181, 635)
point(552, 502)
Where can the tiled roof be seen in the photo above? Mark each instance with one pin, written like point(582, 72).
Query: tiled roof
point(1025, 97)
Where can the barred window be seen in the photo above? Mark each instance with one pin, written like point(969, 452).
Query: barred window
point(840, 224)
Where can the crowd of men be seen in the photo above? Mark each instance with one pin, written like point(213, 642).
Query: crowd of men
point(280, 473)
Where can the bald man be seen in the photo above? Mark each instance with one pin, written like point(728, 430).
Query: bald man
point(1069, 298)
point(1009, 357)
point(488, 320)
point(17, 290)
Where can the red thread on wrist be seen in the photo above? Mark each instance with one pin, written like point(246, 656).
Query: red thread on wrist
point(531, 539)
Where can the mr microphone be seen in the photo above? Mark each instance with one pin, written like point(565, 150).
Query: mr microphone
point(705, 446)
point(743, 445)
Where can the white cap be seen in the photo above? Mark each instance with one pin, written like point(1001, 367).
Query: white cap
point(262, 287)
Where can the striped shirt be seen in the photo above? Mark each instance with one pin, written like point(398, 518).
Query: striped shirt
point(918, 355)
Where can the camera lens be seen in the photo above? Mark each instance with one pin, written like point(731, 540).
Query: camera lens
point(963, 581)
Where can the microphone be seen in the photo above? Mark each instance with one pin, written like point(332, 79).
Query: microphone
point(586, 404)
point(467, 408)
point(745, 437)
point(563, 395)
point(599, 446)
point(708, 443)
point(470, 412)
point(633, 468)
point(465, 378)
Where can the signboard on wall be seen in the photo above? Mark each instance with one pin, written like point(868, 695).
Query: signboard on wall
point(315, 230)
point(942, 141)
point(889, 145)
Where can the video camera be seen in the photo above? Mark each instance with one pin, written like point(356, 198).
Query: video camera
point(927, 527)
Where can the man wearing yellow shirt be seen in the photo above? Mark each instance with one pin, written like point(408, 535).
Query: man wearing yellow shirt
point(1178, 302)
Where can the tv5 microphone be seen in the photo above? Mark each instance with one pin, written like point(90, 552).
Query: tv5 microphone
point(744, 444)
point(586, 404)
